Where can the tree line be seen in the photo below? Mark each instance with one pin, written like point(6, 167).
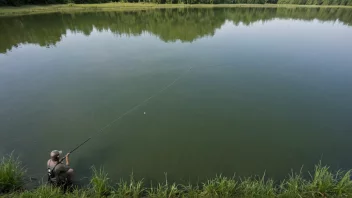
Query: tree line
point(169, 25)
point(300, 2)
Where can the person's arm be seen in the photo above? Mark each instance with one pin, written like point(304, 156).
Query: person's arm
point(67, 160)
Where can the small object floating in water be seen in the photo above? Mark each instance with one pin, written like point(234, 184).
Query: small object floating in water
point(145, 113)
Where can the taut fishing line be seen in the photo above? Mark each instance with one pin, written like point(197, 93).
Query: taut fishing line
point(138, 105)
point(144, 101)
point(101, 130)
point(130, 110)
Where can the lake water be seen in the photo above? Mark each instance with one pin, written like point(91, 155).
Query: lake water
point(268, 90)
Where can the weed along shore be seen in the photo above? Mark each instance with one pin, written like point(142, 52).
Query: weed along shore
point(322, 183)
point(70, 8)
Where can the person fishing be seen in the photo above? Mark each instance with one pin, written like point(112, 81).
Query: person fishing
point(59, 174)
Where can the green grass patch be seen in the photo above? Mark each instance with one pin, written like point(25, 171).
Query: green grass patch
point(133, 188)
point(220, 186)
point(322, 182)
point(257, 187)
point(100, 182)
point(12, 174)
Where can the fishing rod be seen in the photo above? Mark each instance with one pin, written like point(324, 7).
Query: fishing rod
point(80, 145)
point(50, 171)
point(62, 159)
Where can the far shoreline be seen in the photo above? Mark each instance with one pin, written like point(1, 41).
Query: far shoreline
point(71, 8)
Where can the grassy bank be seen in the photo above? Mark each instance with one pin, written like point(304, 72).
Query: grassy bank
point(34, 9)
point(321, 183)
point(12, 174)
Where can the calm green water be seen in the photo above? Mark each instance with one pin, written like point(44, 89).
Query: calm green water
point(269, 90)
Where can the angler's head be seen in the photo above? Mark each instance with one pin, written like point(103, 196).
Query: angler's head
point(55, 155)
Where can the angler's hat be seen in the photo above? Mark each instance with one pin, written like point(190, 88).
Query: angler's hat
point(55, 153)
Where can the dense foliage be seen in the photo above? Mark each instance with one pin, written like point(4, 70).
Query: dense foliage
point(169, 25)
point(300, 2)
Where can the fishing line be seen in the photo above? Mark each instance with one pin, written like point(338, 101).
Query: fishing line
point(127, 112)
point(140, 104)
point(101, 130)
point(130, 110)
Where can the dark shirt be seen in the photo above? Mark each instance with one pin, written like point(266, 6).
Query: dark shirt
point(60, 170)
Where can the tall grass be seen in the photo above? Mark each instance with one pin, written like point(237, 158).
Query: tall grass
point(131, 189)
point(327, 184)
point(100, 182)
point(164, 190)
point(321, 183)
point(257, 187)
point(293, 187)
point(220, 186)
point(47, 191)
point(43, 191)
point(11, 174)
point(190, 191)
point(343, 187)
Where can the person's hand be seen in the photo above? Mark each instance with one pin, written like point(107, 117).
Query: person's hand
point(66, 157)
